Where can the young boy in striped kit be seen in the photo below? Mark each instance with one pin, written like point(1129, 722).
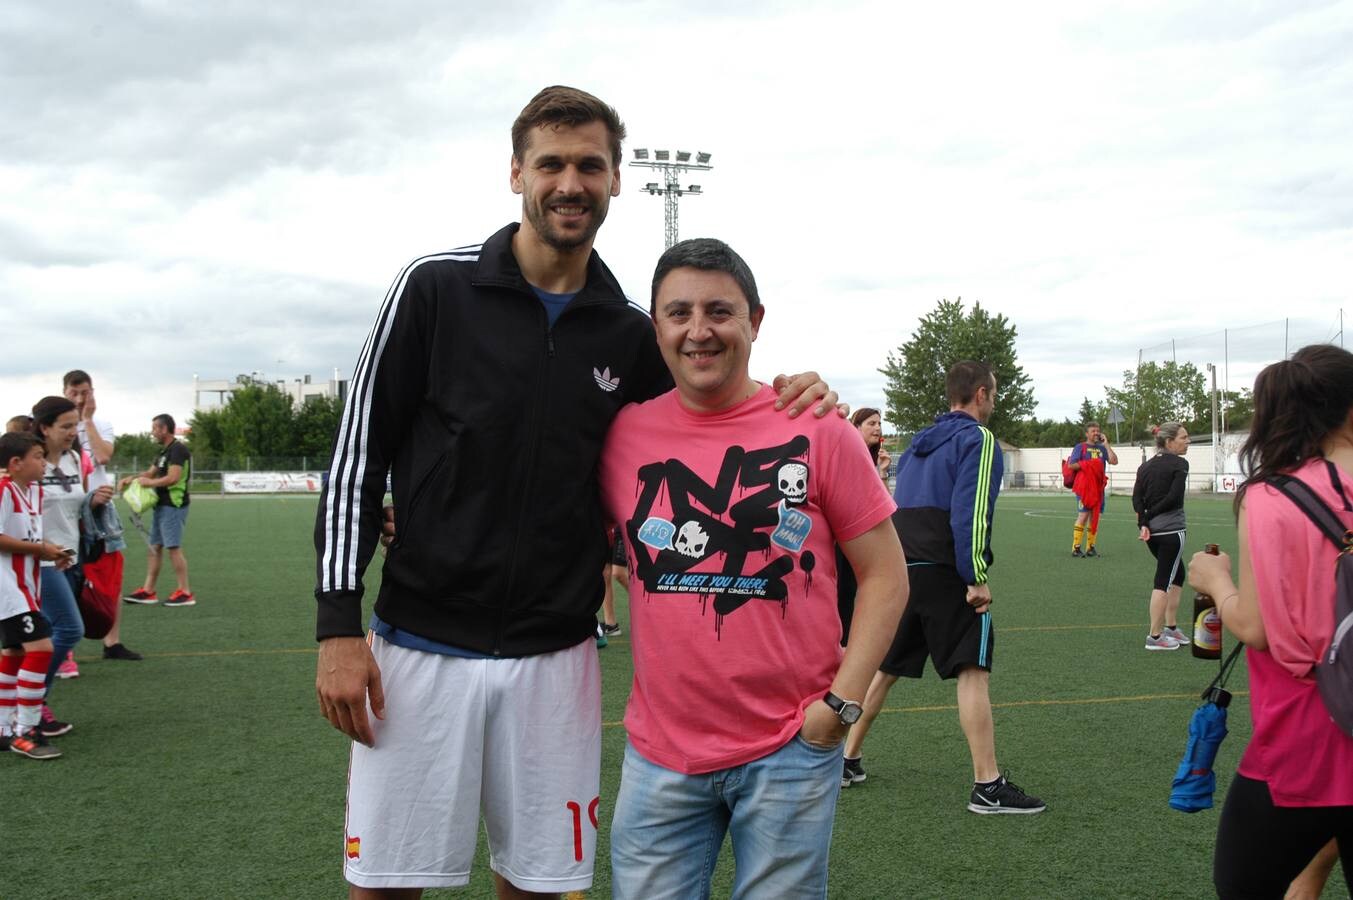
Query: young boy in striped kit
point(25, 634)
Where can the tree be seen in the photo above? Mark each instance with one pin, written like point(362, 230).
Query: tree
point(314, 425)
point(260, 420)
point(134, 452)
point(1239, 409)
point(944, 336)
point(1162, 392)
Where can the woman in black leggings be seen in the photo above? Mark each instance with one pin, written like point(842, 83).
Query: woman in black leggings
point(1158, 498)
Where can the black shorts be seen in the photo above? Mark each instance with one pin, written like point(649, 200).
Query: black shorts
point(618, 557)
point(1168, 549)
point(24, 629)
point(939, 623)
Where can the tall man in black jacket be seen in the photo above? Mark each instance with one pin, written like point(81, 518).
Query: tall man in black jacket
point(485, 390)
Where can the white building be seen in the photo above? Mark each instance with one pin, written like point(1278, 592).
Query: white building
point(214, 393)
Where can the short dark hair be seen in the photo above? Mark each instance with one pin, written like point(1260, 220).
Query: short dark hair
point(166, 420)
point(75, 376)
point(561, 105)
point(1297, 404)
point(20, 423)
point(710, 255)
point(964, 379)
point(46, 411)
point(864, 412)
point(16, 443)
point(1089, 425)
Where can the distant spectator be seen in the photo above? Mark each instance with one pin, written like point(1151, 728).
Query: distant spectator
point(169, 474)
point(1089, 460)
point(869, 422)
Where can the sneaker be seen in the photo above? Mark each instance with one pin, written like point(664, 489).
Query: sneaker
point(51, 726)
point(180, 598)
point(141, 595)
point(1003, 797)
point(120, 651)
point(1091, 552)
point(33, 745)
point(852, 772)
point(1164, 642)
point(612, 630)
point(68, 668)
point(601, 636)
point(1180, 637)
point(1076, 551)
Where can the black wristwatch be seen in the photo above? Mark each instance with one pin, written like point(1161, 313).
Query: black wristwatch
point(848, 711)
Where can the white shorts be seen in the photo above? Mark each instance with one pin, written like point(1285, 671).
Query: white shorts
point(516, 740)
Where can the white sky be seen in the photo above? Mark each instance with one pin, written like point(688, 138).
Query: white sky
point(229, 187)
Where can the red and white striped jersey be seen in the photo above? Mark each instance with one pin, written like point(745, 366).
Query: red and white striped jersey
point(21, 518)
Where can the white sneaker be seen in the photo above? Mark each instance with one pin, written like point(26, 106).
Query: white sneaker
point(1164, 642)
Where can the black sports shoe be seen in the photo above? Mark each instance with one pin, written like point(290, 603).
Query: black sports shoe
point(120, 651)
point(1091, 552)
point(852, 772)
point(1003, 797)
point(1076, 551)
point(50, 726)
point(610, 630)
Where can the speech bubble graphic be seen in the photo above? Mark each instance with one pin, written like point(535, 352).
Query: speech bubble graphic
point(657, 533)
point(792, 530)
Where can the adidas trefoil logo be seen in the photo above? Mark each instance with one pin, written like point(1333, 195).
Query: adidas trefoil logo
point(604, 379)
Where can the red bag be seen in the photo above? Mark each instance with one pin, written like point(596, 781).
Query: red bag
point(101, 594)
point(1068, 474)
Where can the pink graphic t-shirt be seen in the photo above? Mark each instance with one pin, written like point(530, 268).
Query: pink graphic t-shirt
point(728, 520)
point(1296, 748)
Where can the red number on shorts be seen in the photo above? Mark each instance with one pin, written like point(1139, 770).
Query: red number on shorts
point(577, 811)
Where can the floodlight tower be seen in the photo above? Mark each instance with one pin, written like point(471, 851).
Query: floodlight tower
point(670, 188)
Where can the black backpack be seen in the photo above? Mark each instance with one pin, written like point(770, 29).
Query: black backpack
point(1334, 671)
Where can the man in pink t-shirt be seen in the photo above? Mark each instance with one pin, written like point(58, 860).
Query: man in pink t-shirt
point(729, 511)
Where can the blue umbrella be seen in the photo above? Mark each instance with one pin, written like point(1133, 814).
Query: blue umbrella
point(1194, 780)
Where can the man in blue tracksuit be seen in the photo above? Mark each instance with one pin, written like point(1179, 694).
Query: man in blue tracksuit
point(947, 483)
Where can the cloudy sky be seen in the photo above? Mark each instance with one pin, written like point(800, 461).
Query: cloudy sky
point(223, 188)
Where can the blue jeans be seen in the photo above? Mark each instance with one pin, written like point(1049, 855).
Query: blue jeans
point(668, 827)
point(60, 608)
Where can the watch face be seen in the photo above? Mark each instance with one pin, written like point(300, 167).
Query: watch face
point(850, 713)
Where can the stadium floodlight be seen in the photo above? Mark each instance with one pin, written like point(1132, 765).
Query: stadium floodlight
point(670, 187)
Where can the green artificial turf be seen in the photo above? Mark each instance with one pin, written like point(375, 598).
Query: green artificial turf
point(206, 770)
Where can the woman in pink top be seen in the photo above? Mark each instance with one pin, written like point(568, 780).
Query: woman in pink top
point(1293, 791)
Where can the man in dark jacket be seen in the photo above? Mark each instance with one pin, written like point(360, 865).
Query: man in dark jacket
point(484, 392)
point(947, 482)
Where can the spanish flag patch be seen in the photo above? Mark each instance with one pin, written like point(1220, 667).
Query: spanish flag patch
point(354, 847)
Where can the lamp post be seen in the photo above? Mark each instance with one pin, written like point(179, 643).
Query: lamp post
point(671, 164)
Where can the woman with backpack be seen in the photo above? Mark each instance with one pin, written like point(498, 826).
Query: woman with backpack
point(1158, 498)
point(1293, 790)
